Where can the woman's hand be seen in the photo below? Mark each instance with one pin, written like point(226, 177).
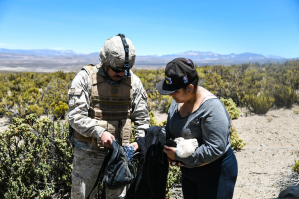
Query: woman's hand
point(170, 151)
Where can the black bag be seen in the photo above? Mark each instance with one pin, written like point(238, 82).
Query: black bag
point(116, 170)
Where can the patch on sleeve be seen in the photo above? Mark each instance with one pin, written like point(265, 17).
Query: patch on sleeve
point(144, 94)
point(75, 91)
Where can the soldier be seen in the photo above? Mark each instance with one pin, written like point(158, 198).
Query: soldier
point(103, 101)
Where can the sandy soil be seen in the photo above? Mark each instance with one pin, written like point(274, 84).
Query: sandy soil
point(272, 146)
point(4, 122)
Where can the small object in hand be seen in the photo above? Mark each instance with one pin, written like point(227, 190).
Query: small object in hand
point(170, 143)
point(129, 151)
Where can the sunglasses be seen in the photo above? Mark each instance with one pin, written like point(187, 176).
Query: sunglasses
point(117, 70)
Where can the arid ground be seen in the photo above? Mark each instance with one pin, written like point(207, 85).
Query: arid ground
point(267, 159)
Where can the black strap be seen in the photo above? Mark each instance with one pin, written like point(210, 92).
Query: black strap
point(126, 47)
point(101, 174)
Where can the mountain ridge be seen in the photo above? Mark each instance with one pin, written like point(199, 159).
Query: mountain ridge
point(68, 60)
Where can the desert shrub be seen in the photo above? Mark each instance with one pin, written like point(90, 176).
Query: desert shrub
point(35, 158)
point(59, 109)
point(173, 178)
point(259, 104)
point(231, 107)
point(236, 142)
point(167, 104)
point(284, 96)
point(296, 166)
point(35, 109)
point(153, 120)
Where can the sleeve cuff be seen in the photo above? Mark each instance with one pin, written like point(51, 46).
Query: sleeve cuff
point(98, 132)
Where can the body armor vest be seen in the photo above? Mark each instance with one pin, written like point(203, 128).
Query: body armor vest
point(111, 105)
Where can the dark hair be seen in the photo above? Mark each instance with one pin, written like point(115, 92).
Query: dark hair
point(194, 82)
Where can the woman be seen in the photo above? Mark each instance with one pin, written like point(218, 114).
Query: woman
point(211, 170)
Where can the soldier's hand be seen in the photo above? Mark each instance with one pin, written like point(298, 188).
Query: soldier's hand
point(135, 146)
point(107, 139)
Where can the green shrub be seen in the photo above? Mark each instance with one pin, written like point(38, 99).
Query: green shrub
point(236, 142)
point(296, 166)
point(59, 109)
point(173, 178)
point(260, 104)
point(169, 100)
point(35, 109)
point(231, 108)
point(35, 158)
point(284, 96)
point(153, 120)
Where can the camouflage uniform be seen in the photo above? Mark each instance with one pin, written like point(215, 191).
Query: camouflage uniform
point(87, 160)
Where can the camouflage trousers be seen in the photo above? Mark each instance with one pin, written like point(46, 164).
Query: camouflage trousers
point(86, 167)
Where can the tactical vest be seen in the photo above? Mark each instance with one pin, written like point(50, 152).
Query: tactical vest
point(111, 105)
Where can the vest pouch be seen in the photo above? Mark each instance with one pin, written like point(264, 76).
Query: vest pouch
point(126, 131)
point(96, 142)
point(112, 127)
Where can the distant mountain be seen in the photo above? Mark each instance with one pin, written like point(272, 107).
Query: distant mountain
point(202, 58)
point(68, 60)
point(39, 52)
point(205, 56)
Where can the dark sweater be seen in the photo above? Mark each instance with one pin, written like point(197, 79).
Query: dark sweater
point(152, 173)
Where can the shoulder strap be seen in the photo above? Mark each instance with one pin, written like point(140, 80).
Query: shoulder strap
point(128, 81)
point(89, 70)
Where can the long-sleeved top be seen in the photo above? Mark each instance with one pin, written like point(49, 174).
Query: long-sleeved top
point(209, 124)
point(79, 103)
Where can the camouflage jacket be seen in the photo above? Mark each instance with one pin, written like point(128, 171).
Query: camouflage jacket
point(79, 103)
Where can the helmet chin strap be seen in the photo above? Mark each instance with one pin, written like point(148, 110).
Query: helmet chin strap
point(127, 66)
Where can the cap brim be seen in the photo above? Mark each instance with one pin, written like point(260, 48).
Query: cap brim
point(165, 89)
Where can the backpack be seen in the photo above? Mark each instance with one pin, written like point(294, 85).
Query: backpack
point(117, 171)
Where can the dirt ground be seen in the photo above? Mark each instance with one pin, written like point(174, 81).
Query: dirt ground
point(267, 159)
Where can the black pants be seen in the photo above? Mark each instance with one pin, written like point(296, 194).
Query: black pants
point(215, 180)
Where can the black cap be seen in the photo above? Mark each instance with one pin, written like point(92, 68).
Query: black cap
point(178, 73)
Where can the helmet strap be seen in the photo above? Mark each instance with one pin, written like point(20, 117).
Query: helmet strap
point(127, 66)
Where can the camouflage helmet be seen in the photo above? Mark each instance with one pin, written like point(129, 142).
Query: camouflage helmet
point(112, 53)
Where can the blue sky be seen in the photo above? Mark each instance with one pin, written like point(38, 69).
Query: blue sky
point(268, 27)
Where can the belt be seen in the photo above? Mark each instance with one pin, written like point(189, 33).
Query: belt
point(94, 141)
